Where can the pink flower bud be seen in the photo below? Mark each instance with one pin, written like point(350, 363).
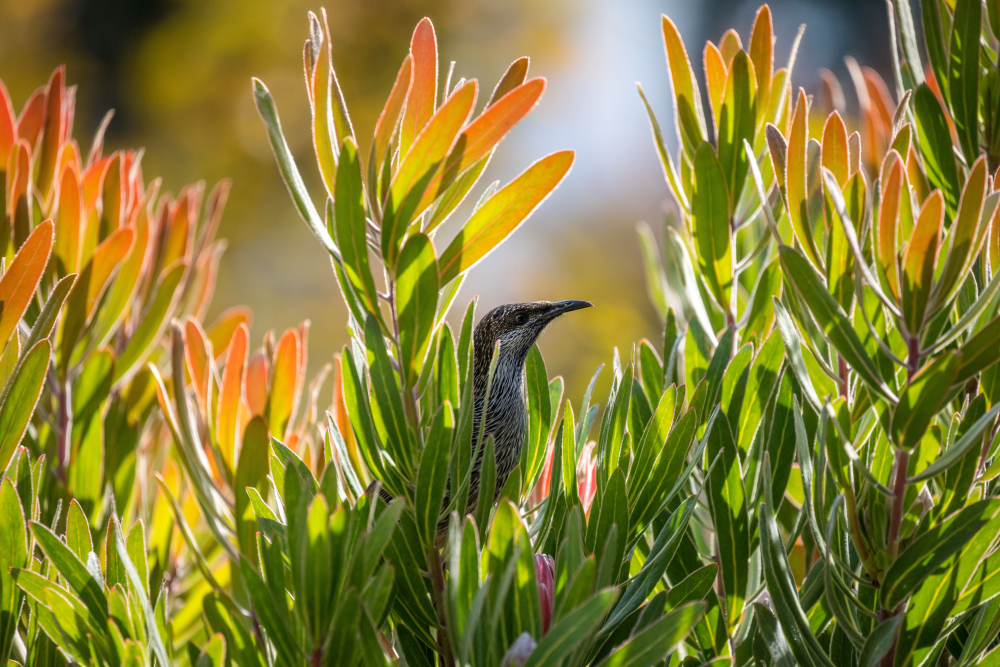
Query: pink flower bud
point(545, 575)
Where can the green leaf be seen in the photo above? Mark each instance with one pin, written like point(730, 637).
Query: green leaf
point(432, 476)
point(780, 584)
point(832, 319)
point(770, 631)
point(650, 447)
point(761, 316)
point(78, 537)
point(966, 235)
point(390, 421)
point(963, 74)
point(539, 417)
point(727, 503)
point(879, 642)
point(273, 618)
point(502, 213)
point(72, 570)
point(688, 112)
point(980, 352)
point(286, 165)
point(840, 256)
point(351, 227)
point(669, 171)
point(957, 450)
point(251, 472)
point(666, 471)
point(933, 547)
point(710, 209)
point(793, 352)
point(737, 122)
point(419, 165)
point(660, 555)
point(696, 586)
point(19, 403)
point(13, 554)
point(214, 652)
point(651, 645)
point(936, 147)
point(761, 383)
point(681, 280)
point(721, 359)
point(919, 261)
point(934, 33)
point(923, 396)
point(151, 324)
point(572, 630)
point(416, 298)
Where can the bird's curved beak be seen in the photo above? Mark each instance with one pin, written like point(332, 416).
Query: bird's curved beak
point(561, 307)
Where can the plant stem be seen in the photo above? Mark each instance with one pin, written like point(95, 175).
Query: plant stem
point(855, 526)
point(65, 436)
point(842, 371)
point(898, 492)
point(437, 580)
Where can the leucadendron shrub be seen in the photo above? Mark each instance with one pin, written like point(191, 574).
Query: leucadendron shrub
point(831, 296)
point(568, 566)
point(96, 263)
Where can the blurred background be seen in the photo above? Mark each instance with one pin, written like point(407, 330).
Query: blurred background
point(177, 73)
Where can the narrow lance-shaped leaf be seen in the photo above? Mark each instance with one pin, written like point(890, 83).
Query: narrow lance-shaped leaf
point(480, 136)
point(251, 473)
point(832, 319)
point(727, 504)
point(19, 281)
point(796, 191)
point(424, 159)
point(963, 74)
point(933, 548)
point(351, 227)
point(502, 213)
point(19, 403)
point(687, 97)
point(737, 122)
point(422, 94)
point(762, 55)
point(416, 294)
point(231, 393)
point(887, 224)
point(936, 147)
point(388, 120)
point(919, 262)
point(965, 235)
point(710, 217)
point(835, 156)
point(286, 165)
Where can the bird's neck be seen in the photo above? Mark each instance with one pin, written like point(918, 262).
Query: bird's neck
point(508, 376)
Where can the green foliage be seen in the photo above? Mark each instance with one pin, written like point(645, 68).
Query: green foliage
point(878, 253)
point(804, 472)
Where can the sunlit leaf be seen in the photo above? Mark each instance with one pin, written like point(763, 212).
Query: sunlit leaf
point(919, 262)
point(687, 97)
point(423, 91)
point(19, 281)
point(502, 213)
point(710, 209)
point(963, 74)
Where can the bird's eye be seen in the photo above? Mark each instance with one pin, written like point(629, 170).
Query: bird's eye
point(521, 318)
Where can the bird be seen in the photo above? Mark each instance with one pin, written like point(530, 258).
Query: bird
point(517, 327)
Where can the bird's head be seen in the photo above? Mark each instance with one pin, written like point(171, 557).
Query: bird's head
point(518, 325)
